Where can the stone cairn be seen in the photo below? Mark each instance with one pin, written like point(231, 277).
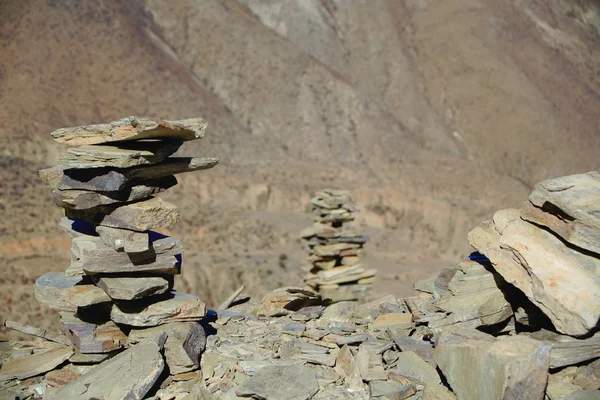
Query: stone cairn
point(517, 319)
point(334, 249)
point(120, 281)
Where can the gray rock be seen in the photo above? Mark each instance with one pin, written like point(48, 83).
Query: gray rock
point(85, 199)
point(280, 383)
point(370, 364)
point(124, 239)
point(92, 255)
point(308, 313)
point(320, 359)
point(67, 293)
point(568, 206)
point(285, 301)
point(130, 375)
point(565, 350)
point(131, 128)
point(420, 347)
point(473, 295)
point(584, 395)
point(121, 155)
point(588, 376)
point(90, 337)
point(391, 390)
point(410, 365)
point(37, 364)
point(185, 343)
point(479, 366)
point(133, 288)
point(140, 216)
point(156, 310)
point(111, 180)
point(562, 282)
point(347, 367)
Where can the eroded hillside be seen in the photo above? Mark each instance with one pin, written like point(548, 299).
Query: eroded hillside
point(432, 113)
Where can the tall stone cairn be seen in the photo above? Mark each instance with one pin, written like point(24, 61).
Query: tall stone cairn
point(334, 249)
point(120, 281)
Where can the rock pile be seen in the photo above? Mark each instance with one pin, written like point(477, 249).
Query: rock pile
point(119, 285)
point(481, 330)
point(334, 249)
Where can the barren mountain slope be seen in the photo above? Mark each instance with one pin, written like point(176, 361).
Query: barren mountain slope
point(433, 113)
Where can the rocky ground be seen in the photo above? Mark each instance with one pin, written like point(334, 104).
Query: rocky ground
point(433, 114)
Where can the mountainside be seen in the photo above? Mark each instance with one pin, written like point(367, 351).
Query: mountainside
point(432, 113)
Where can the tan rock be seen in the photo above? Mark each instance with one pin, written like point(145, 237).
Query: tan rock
point(569, 207)
point(131, 128)
point(37, 364)
point(122, 155)
point(562, 282)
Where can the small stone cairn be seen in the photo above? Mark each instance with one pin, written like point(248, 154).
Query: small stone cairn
point(335, 271)
point(119, 286)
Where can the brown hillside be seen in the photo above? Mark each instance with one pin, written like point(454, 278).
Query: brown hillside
point(432, 113)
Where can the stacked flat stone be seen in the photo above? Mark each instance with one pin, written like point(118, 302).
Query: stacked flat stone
point(120, 280)
point(335, 271)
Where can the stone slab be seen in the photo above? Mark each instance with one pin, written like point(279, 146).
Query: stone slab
point(133, 288)
point(157, 310)
point(122, 155)
point(131, 128)
point(67, 293)
point(115, 179)
point(92, 255)
point(562, 282)
point(91, 337)
point(25, 367)
point(570, 207)
point(279, 383)
point(124, 239)
point(129, 375)
point(85, 199)
point(140, 216)
point(479, 366)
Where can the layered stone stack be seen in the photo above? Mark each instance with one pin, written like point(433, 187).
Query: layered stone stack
point(335, 271)
point(120, 281)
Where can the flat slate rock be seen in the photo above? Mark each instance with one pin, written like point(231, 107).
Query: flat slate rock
point(67, 293)
point(122, 155)
point(85, 199)
point(92, 255)
point(479, 366)
point(91, 337)
point(562, 282)
point(185, 343)
point(133, 288)
point(570, 207)
point(129, 375)
point(115, 179)
point(285, 301)
point(280, 383)
point(566, 350)
point(140, 216)
point(157, 310)
point(131, 128)
point(124, 239)
point(25, 367)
